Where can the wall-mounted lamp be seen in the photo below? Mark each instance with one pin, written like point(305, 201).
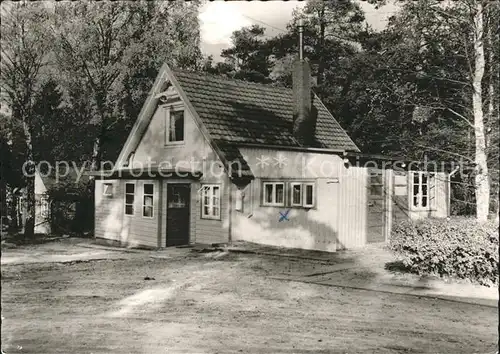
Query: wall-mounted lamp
point(346, 160)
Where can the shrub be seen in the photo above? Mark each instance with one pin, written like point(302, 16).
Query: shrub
point(457, 247)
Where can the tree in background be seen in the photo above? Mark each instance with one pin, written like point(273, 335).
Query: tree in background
point(424, 87)
point(441, 60)
point(25, 48)
point(112, 52)
point(249, 56)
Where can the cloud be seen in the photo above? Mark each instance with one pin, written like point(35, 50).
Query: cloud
point(219, 20)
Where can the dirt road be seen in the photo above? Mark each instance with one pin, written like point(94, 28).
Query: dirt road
point(221, 303)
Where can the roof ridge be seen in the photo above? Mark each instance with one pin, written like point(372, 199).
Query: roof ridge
point(226, 78)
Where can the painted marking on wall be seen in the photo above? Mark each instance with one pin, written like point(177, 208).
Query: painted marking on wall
point(284, 216)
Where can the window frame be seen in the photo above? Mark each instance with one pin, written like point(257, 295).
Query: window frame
point(104, 185)
point(304, 195)
point(174, 108)
point(380, 184)
point(431, 194)
point(293, 184)
point(144, 195)
point(125, 199)
point(273, 184)
point(210, 187)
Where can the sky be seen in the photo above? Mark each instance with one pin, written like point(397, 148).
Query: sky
point(219, 19)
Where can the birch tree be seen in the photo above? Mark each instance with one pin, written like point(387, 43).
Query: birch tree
point(446, 63)
point(25, 49)
point(482, 176)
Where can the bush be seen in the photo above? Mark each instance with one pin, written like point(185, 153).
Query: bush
point(457, 247)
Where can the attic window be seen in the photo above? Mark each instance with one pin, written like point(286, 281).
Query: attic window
point(174, 126)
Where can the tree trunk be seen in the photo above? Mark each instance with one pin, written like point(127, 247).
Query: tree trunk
point(96, 154)
point(482, 177)
point(490, 121)
point(321, 49)
point(29, 224)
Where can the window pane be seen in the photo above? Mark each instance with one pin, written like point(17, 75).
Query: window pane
point(424, 201)
point(148, 200)
point(129, 209)
point(296, 194)
point(206, 210)
point(376, 190)
point(309, 195)
point(424, 178)
point(147, 211)
point(129, 188)
point(176, 126)
point(416, 178)
point(216, 191)
point(377, 179)
point(268, 193)
point(416, 189)
point(415, 200)
point(424, 189)
point(108, 189)
point(148, 189)
point(279, 193)
point(129, 198)
point(215, 211)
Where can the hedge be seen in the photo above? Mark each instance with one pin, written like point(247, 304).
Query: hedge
point(456, 247)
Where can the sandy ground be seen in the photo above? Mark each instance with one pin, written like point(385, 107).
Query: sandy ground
point(220, 303)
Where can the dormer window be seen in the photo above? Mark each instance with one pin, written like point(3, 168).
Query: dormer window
point(174, 124)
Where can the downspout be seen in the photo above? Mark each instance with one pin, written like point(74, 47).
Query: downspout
point(230, 222)
point(448, 211)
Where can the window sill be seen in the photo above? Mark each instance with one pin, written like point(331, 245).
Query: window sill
point(174, 143)
point(423, 209)
point(273, 205)
point(218, 218)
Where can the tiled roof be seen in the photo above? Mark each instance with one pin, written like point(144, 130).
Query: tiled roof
point(236, 111)
point(69, 179)
point(233, 156)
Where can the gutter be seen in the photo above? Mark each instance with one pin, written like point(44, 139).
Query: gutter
point(230, 202)
point(291, 148)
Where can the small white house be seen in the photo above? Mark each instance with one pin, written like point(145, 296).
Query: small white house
point(212, 160)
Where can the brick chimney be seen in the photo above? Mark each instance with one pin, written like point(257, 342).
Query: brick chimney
point(303, 121)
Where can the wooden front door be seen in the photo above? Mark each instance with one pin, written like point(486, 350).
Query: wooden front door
point(178, 196)
point(376, 206)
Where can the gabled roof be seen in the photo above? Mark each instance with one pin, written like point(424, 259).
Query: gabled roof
point(237, 111)
point(231, 113)
point(69, 179)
